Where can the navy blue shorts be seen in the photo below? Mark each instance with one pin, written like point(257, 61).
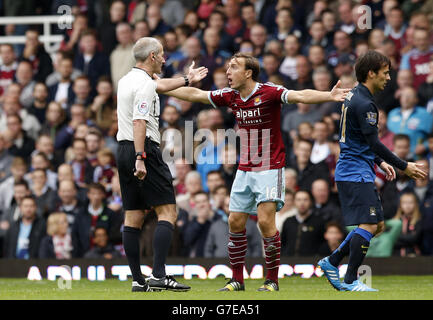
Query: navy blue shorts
point(360, 203)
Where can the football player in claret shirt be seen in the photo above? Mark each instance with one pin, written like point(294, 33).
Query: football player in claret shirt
point(355, 175)
point(258, 187)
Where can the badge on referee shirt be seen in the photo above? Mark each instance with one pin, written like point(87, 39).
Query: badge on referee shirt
point(143, 108)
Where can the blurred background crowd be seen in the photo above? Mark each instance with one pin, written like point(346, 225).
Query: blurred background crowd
point(59, 187)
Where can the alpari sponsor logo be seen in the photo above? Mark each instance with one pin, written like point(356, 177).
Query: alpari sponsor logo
point(248, 116)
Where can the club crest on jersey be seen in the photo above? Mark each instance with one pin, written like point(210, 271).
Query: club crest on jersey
point(143, 108)
point(372, 118)
point(257, 101)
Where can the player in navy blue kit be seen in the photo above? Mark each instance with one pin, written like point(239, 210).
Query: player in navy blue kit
point(355, 175)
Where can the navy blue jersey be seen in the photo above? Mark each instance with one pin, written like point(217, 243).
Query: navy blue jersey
point(359, 118)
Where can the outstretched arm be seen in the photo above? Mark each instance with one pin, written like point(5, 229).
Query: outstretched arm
point(190, 94)
point(314, 96)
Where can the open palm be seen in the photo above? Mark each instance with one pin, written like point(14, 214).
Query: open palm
point(338, 94)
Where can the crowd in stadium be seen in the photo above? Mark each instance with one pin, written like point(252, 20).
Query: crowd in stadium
point(59, 187)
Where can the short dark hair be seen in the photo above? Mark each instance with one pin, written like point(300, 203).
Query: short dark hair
point(307, 192)
point(97, 186)
point(22, 182)
point(371, 61)
point(201, 192)
point(214, 172)
point(335, 224)
point(401, 136)
point(251, 63)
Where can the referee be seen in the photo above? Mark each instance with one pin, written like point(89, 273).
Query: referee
point(145, 180)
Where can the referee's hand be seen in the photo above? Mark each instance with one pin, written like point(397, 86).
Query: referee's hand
point(140, 169)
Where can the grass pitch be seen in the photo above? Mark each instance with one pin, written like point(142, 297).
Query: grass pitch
point(291, 288)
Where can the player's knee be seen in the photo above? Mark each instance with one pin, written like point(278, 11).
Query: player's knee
point(235, 223)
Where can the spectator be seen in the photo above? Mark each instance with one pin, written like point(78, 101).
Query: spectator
point(285, 25)
point(404, 80)
point(5, 160)
point(385, 136)
point(57, 244)
point(395, 27)
point(117, 13)
point(303, 70)
point(291, 179)
point(40, 102)
point(193, 185)
point(321, 148)
point(12, 213)
point(346, 23)
point(234, 22)
point(412, 120)
point(342, 44)
point(62, 92)
point(307, 172)
point(182, 168)
point(67, 201)
point(45, 145)
point(216, 241)
point(89, 60)
point(82, 92)
point(70, 43)
point(325, 206)
point(409, 241)
point(329, 21)
point(55, 120)
point(172, 137)
point(258, 38)
point(104, 171)
point(418, 58)
point(287, 211)
point(19, 144)
point(141, 29)
point(157, 25)
point(214, 179)
point(93, 144)
point(103, 105)
point(229, 165)
point(18, 170)
point(217, 20)
point(55, 77)
point(317, 57)
point(303, 233)
point(67, 132)
point(425, 92)
point(66, 173)
point(82, 167)
point(322, 80)
point(317, 36)
point(114, 201)
point(24, 77)
point(249, 18)
point(172, 49)
point(427, 226)
point(8, 66)
point(291, 51)
point(303, 113)
point(197, 230)
point(102, 248)
point(121, 58)
point(95, 214)
point(376, 38)
point(334, 235)
point(24, 236)
point(211, 48)
point(43, 194)
point(270, 68)
point(30, 123)
point(35, 52)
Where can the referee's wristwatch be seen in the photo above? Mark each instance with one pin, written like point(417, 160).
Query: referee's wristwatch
point(140, 156)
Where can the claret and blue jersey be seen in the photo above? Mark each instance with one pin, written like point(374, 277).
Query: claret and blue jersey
point(359, 118)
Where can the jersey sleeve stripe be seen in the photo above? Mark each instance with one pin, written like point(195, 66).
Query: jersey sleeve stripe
point(210, 99)
point(284, 96)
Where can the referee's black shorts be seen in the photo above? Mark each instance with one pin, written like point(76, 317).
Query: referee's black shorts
point(156, 188)
point(360, 203)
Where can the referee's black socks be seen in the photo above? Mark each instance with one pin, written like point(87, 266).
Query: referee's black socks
point(161, 245)
point(131, 244)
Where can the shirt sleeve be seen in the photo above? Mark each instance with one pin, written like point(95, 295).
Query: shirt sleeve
point(367, 116)
point(280, 92)
point(220, 98)
point(143, 100)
